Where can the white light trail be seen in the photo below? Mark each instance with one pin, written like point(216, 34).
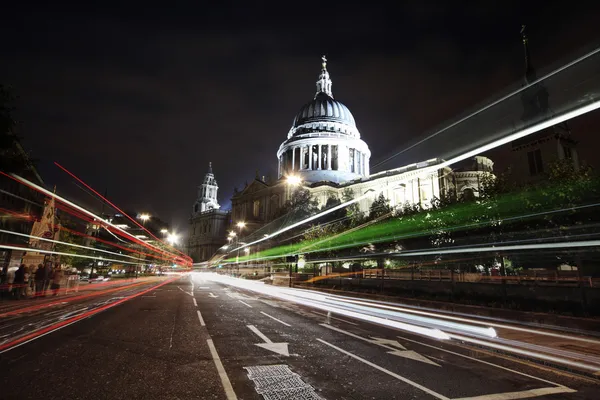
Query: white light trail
point(583, 243)
point(517, 135)
point(8, 247)
point(83, 210)
point(318, 301)
point(304, 221)
point(66, 244)
point(481, 336)
point(500, 100)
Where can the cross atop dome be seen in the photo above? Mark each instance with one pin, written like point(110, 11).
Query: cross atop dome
point(324, 83)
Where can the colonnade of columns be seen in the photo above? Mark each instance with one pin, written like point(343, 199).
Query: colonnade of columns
point(322, 157)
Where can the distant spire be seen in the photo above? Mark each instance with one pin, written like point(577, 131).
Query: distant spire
point(529, 70)
point(324, 83)
point(210, 167)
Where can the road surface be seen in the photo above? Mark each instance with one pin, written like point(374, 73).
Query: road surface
point(200, 339)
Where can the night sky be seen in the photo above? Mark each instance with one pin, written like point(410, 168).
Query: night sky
point(138, 99)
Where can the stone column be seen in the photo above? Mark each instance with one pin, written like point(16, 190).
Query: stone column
point(355, 161)
point(293, 158)
point(320, 163)
point(310, 157)
point(329, 157)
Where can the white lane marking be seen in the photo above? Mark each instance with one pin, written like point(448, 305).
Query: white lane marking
point(229, 392)
point(279, 348)
point(172, 332)
point(188, 293)
point(481, 361)
point(244, 303)
point(273, 318)
point(212, 295)
point(203, 287)
point(200, 318)
point(336, 318)
point(195, 303)
point(395, 348)
point(525, 394)
point(401, 378)
point(376, 342)
point(259, 334)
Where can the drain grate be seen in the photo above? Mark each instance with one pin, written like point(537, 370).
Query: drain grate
point(265, 371)
point(276, 382)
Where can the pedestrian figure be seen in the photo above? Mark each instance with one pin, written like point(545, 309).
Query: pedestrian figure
point(19, 281)
point(39, 280)
point(56, 279)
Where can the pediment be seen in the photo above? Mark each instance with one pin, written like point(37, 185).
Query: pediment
point(254, 187)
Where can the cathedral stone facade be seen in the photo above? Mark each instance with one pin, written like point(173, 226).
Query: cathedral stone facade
point(208, 223)
point(325, 153)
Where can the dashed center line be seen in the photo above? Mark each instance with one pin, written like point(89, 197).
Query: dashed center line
point(275, 319)
point(195, 303)
point(244, 303)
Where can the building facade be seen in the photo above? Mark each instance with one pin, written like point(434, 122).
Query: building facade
point(208, 223)
point(324, 151)
point(529, 157)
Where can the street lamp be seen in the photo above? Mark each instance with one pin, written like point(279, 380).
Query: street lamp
point(144, 217)
point(241, 225)
point(172, 238)
point(164, 231)
point(293, 180)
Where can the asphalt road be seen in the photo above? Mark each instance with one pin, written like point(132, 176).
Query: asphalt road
point(197, 339)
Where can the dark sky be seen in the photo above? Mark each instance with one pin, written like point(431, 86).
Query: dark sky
point(137, 99)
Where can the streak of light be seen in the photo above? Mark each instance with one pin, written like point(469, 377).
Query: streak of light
point(115, 244)
point(316, 301)
point(66, 244)
point(529, 353)
point(425, 311)
point(21, 198)
point(555, 72)
point(304, 221)
point(83, 210)
point(59, 325)
point(555, 245)
point(36, 307)
point(116, 208)
point(485, 337)
point(19, 248)
point(517, 135)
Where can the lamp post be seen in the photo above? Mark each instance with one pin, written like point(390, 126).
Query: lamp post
point(240, 225)
point(143, 217)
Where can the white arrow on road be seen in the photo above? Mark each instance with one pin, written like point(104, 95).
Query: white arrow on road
point(395, 348)
point(212, 295)
point(279, 348)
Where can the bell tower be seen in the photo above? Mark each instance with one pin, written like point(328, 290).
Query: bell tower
point(207, 194)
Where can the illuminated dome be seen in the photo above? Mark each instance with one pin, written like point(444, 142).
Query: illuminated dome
point(324, 109)
point(323, 144)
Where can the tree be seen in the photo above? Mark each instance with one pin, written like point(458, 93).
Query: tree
point(301, 205)
point(354, 216)
point(337, 215)
point(380, 208)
